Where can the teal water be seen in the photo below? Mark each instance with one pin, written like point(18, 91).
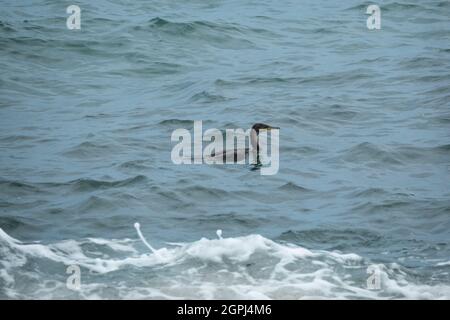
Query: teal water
point(85, 123)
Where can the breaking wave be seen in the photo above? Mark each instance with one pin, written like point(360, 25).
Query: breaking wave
point(247, 267)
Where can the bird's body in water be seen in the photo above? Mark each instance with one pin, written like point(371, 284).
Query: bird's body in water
point(235, 155)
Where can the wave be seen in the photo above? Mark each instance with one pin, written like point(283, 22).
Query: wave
point(136, 164)
point(154, 68)
point(177, 122)
point(335, 238)
point(78, 185)
point(394, 6)
point(247, 267)
point(292, 187)
point(207, 97)
point(379, 155)
point(369, 152)
point(182, 123)
point(331, 79)
point(184, 28)
point(375, 192)
point(82, 185)
point(89, 149)
point(17, 185)
point(16, 138)
point(203, 193)
point(6, 27)
point(224, 35)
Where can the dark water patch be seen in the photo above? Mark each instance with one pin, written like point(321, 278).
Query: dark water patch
point(421, 62)
point(344, 115)
point(441, 99)
point(334, 238)
point(403, 7)
point(55, 211)
point(409, 213)
point(370, 192)
point(6, 27)
point(443, 149)
point(334, 78)
point(438, 90)
point(22, 224)
point(25, 41)
point(361, 6)
point(16, 138)
point(20, 204)
point(6, 204)
point(86, 150)
point(175, 198)
point(381, 207)
point(377, 193)
point(443, 4)
point(97, 48)
point(258, 196)
point(266, 80)
point(94, 204)
point(257, 82)
point(12, 222)
point(87, 185)
point(223, 35)
point(136, 165)
point(375, 61)
point(184, 28)
point(183, 124)
point(434, 78)
point(301, 150)
point(372, 154)
point(225, 219)
point(19, 189)
point(437, 154)
point(421, 175)
point(206, 97)
point(150, 66)
point(177, 122)
point(141, 127)
point(324, 31)
point(294, 188)
point(100, 115)
point(145, 69)
point(199, 192)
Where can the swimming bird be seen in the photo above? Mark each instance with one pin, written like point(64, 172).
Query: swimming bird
point(240, 154)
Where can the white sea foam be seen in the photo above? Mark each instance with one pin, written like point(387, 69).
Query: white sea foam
point(248, 267)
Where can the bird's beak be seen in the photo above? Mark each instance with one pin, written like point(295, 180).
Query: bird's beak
point(273, 128)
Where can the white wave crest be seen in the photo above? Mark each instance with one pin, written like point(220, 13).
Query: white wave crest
point(248, 267)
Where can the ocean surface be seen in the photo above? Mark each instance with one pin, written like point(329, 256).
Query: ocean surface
point(86, 118)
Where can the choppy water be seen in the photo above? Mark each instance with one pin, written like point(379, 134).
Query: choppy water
point(85, 124)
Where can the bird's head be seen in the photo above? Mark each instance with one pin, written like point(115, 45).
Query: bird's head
point(262, 126)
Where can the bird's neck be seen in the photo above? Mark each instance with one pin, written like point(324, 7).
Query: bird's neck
point(254, 140)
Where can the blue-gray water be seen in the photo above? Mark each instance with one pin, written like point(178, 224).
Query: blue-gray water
point(85, 123)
